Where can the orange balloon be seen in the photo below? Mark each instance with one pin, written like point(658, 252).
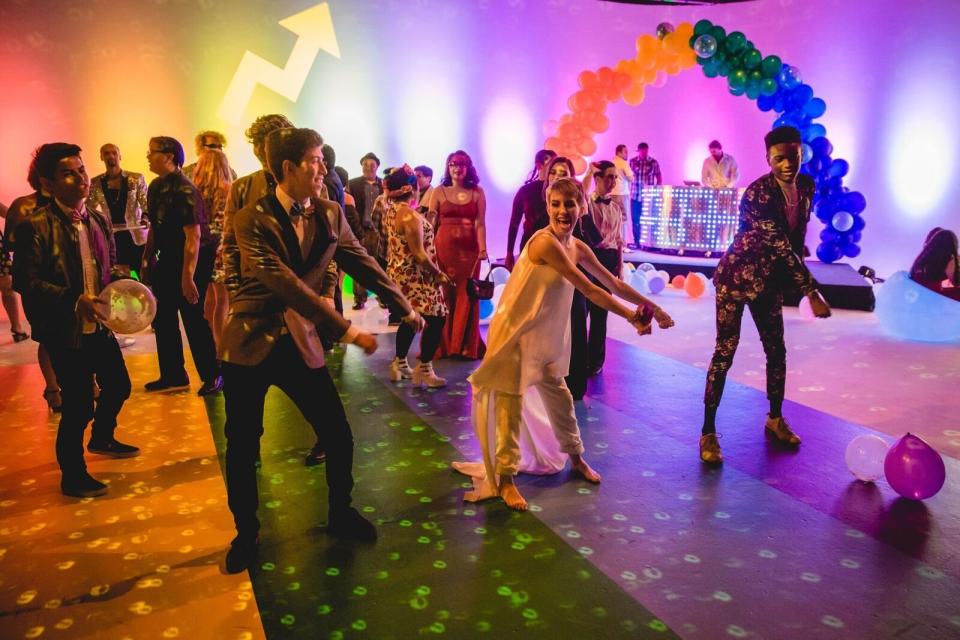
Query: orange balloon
point(634, 94)
point(605, 76)
point(694, 285)
point(586, 147)
point(647, 46)
point(579, 164)
point(587, 79)
point(678, 282)
point(553, 143)
point(684, 30)
point(622, 80)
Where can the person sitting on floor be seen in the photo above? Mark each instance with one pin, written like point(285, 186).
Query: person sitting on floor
point(938, 264)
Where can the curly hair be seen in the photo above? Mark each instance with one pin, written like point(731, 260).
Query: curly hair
point(259, 130)
point(208, 133)
point(470, 181)
point(33, 176)
point(212, 177)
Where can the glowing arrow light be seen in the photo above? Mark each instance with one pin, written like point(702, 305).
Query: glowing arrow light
point(314, 27)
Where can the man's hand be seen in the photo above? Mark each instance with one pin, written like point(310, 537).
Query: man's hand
point(190, 292)
point(87, 308)
point(819, 306)
point(366, 342)
point(415, 321)
point(664, 321)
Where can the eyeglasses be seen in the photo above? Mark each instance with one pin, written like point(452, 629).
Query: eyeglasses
point(213, 145)
point(453, 165)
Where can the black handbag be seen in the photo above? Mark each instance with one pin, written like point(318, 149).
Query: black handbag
point(480, 288)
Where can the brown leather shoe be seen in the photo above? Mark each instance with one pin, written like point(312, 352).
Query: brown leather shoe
point(779, 429)
point(710, 448)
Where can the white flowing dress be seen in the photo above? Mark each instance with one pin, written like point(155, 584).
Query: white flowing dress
point(529, 339)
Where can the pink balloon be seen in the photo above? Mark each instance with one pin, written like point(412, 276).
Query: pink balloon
point(914, 469)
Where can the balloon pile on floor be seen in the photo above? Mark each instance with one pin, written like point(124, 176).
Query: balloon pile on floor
point(912, 467)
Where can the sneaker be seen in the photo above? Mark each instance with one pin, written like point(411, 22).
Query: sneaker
point(400, 370)
point(710, 448)
point(423, 376)
point(85, 486)
point(113, 448)
point(316, 456)
point(162, 385)
point(212, 387)
point(779, 429)
point(241, 554)
point(350, 525)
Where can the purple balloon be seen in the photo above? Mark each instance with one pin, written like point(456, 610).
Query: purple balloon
point(914, 469)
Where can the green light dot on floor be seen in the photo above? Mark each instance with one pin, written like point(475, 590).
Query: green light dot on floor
point(443, 614)
point(273, 504)
point(412, 492)
point(530, 614)
point(359, 625)
point(583, 574)
point(480, 531)
point(439, 564)
point(525, 538)
point(427, 452)
point(293, 586)
point(418, 603)
point(417, 428)
point(423, 540)
point(394, 423)
point(504, 590)
point(482, 626)
point(336, 635)
point(289, 570)
point(429, 526)
point(657, 625)
point(496, 573)
point(518, 546)
point(438, 627)
point(382, 575)
point(585, 551)
point(369, 509)
point(405, 523)
point(629, 625)
point(360, 591)
point(390, 468)
point(268, 566)
point(426, 499)
point(423, 590)
point(333, 571)
point(599, 612)
point(393, 555)
point(519, 597)
point(324, 609)
point(288, 619)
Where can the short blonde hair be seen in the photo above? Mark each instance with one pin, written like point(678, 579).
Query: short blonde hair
point(198, 141)
point(569, 187)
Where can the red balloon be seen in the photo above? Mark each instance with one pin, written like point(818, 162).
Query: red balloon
point(605, 76)
point(587, 79)
point(586, 147)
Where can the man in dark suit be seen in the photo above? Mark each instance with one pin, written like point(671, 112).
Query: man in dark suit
point(64, 256)
point(286, 241)
point(365, 190)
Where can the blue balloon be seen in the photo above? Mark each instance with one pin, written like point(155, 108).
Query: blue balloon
point(789, 77)
point(765, 103)
point(842, 221)
point(839, 168)
point(801, 96)
point(821, 147)
point(829, 252)
point(854, 202)
point(858, 224)
point(486, 308)
point(851, 250)
point(815, 108)
point(814, 131)
point(829, 235)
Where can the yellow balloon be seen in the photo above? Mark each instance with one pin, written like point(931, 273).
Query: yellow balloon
point(634, 94)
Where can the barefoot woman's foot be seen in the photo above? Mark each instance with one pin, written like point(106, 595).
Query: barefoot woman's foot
point(580, 466)
point(511, 495)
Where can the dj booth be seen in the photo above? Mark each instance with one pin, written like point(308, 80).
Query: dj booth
point(688, 220)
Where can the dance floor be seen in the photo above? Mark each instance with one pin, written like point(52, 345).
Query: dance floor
point(776, 544)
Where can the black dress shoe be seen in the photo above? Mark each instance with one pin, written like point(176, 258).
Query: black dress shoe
point(209, 388)
point(241, 554)
point(315, 457)
point(113, 448)
point(85, 486)
point(594, 371)
point(161, 384)
point(350, 525)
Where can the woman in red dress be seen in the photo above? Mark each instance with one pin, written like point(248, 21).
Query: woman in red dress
point(459, 206)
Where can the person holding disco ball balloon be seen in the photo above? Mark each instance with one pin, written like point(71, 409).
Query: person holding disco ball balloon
point(763, 260)
point(64, 258)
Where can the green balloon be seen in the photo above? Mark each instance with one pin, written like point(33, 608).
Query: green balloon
point(702, 27)
point(724, 68)
point(752, 59)
point(719, 33)
point(768, 87)
point(736, 42)
point(737, 79)
point(710, 70)
point(755, 77)
point(770, 67)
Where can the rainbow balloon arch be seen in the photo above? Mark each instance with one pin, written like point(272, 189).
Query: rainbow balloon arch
point(773, 85)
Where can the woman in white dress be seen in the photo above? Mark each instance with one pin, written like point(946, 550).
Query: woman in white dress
point(522, 410)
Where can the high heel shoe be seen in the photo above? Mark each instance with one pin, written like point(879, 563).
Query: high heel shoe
point(53, 399)
point(424, 376)
point(20, 336)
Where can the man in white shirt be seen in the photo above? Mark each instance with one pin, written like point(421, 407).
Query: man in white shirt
point(621, 191)
point(719, 169)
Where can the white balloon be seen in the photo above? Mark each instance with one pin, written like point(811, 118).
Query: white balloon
point(130, 306)
point(865, 456)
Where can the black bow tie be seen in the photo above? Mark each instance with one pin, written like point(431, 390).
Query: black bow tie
point(296, 209)
point(602, 200)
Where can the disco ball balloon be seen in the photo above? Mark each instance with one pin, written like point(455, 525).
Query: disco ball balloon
point(705, 46)
point(663, 29)
point(130, 306)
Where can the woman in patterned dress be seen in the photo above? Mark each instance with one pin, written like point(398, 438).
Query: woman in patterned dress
point(411, 263)
point(213, 177)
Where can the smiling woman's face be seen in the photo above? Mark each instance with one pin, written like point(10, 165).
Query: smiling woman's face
point(564, 210)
